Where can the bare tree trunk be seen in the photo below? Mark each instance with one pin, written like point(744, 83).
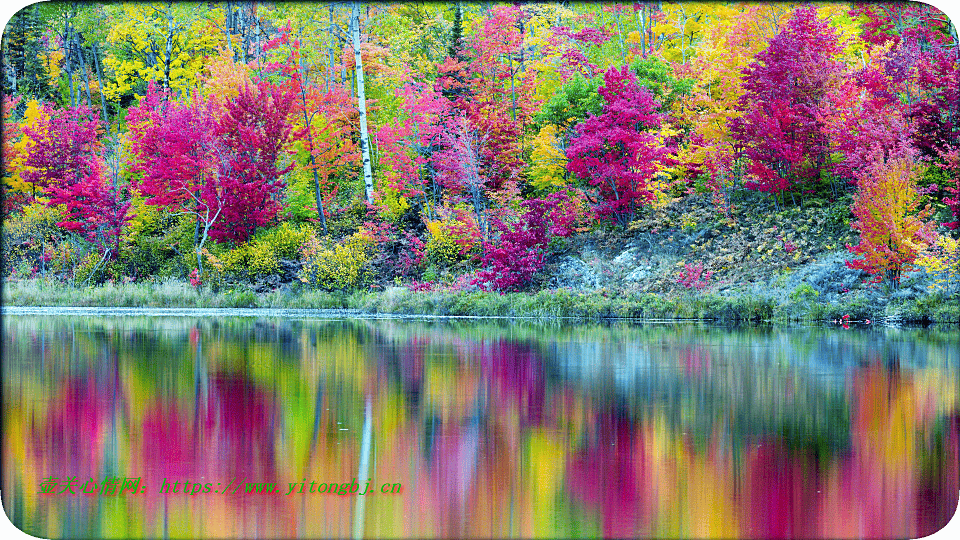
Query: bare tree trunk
point(83, 67)
point(67, 50)
point(362, 105)
point(168, 49)
point(313, 162)
point(103, 101)
point(228, 27)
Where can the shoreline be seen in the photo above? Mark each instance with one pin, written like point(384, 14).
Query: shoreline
point(562, 304)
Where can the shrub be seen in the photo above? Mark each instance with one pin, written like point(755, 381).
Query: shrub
point(89, 271)
point(250, 261)
point(942, 262)
point(25, 236)
point(286, 240)
point(518, 251)
point(339, 267)
point(803, 292)
point(693, 276)
point(443, 249)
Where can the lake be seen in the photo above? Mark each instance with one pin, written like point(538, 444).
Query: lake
point(295, 425)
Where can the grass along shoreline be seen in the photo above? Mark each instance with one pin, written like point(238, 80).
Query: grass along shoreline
point(557, 303)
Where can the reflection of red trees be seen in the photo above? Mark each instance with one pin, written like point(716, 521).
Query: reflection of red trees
point(71, 440)
point(781, 493)
point(239, 427)
point(168, 444)
point(227, 437)
point(231, 434)
point(514, 375)
point(608, 477)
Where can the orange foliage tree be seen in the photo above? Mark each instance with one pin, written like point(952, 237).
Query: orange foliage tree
point(893, 228)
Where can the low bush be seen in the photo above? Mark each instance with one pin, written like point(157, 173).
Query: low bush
point(338, 267)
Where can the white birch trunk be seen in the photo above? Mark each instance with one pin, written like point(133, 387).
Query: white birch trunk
point(362, 104)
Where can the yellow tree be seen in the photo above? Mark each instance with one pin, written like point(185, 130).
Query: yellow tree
point(684, 24)
point(17, 145)
point(165, 42)
point(731, 41)
point(893, 230)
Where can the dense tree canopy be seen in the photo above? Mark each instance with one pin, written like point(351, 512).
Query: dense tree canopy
point(442, 122)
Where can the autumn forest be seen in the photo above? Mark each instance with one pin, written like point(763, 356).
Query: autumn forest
point(345, 148)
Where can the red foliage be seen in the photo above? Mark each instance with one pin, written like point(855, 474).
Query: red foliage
point(779, 131)
point(66, 147)
point(66, 162)
point(517, 252)
point(937, 111)
point(616, 151)
point(252, 132)
point(693, 276)
point(171, 144)
point(223, 169)
point(496, 99)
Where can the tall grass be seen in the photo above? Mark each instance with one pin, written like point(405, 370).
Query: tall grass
point(561, 303)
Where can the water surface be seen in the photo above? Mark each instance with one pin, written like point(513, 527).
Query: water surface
point(475, 429)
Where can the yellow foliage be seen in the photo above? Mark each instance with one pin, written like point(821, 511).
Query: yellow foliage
point(393, 205)
point(13, 164)
point(683, 25)
point(942, 259)
point(250, 260)
point(445, 248)
point(141, 31)
point(145, 220)
point(52, 63)
point(548, 160)
point(225, 77)
point(286, 240)
point(336, 268)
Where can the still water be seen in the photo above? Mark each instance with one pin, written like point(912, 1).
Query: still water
point(474, 429)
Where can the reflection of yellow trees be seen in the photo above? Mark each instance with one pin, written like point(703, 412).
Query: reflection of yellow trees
point(488, 468)
point(694, 489)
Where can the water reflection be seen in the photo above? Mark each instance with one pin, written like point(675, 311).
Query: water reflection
point(482, 430)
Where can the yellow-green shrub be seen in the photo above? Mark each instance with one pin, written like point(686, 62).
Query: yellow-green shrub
point(285, 240)
point(82, 272)
point(443, 248)
point(249, 261)
point(64, 257)
point(26, 235)
point(338, 267)
point(393, 205)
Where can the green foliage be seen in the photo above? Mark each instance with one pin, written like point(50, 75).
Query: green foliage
point(572, 103)
point(804, 292)
point(337, 267)
point(656, 76)
point(177, 247)
point(838, 215)
point(144, 249)
point(935, 175)
point(300, 202)
point(249, 261)
point(430, 274)
point(89, 270)
point(242, 298)
point(347, 220)
point(27, 235)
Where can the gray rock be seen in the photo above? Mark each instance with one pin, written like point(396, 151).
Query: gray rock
point(574, 273)
point(626, 258)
